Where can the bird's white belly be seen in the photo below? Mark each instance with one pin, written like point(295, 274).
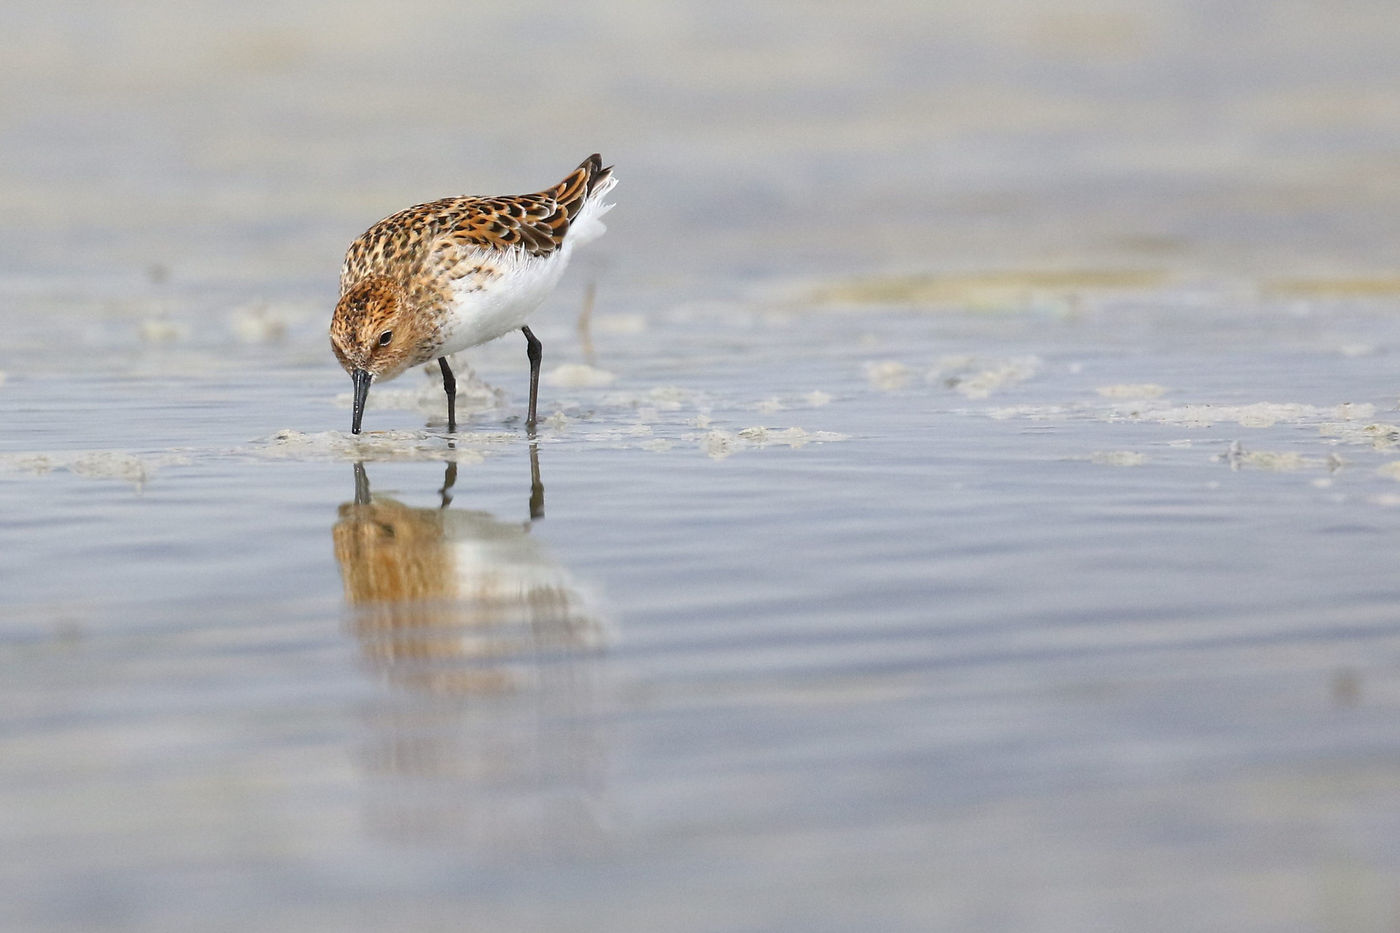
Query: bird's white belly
point(498, 300)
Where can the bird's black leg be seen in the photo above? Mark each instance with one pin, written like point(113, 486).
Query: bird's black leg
point(534, 350)
point(449, 385)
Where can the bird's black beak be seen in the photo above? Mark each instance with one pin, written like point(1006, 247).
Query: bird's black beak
point(361, 378)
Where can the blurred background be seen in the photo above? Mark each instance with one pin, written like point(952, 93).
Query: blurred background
point(226, 144)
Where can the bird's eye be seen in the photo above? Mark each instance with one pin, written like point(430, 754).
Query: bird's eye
point(385, 337)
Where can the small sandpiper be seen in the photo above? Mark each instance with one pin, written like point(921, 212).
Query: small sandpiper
point(451, 274)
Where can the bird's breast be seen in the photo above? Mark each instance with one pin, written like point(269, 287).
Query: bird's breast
point(494, 295)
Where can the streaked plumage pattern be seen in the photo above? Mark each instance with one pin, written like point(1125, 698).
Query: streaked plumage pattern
point(454, 273)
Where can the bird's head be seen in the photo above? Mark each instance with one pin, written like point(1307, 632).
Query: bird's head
point(375, 335)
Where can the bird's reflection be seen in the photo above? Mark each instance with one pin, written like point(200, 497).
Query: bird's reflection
point(465, 610)
point(452, 600)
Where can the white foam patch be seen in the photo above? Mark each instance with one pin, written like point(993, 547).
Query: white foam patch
point(718, 444)
point(577, 376)
point(1118, 458)
point(162, 330)
point(618, 324)
point(814, 399)
point(788, 437)
point(660, 398)
point(1377, 435)
point(1031, 412)
point(136, 469)
point(623, 437)
point(1132, 390)
point(978, 377)
point(380, 445)
point(887, 375)
point(36, 463)
point(1275, 461)
point(1257, 415)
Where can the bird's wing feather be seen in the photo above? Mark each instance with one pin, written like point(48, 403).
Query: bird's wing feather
point(439, 236)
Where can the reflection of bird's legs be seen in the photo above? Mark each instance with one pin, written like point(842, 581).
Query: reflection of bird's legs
point(361, 484)
point(536, 487)
point(449, 478)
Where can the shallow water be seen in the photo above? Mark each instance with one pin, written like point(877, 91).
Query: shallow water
point(1021, 560)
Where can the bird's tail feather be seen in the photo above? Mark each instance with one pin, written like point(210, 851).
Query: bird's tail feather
point(581, 195)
